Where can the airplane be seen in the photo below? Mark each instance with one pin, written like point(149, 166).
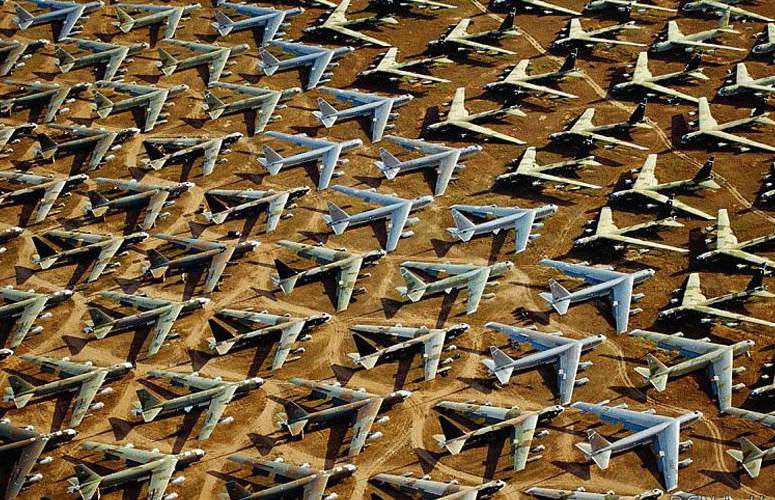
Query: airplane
point(642, 80)
point(7, 235)
point(647, 427)
point(602, 5)
point(58, 245)
point(159, 314)
point(743, 83)
point(581, 493)
point(314, 57)
point(437, 489)
point(216, 255)
point(394, 70)
point(518, 82)
point(224, 204)
point(46, 189)
point(325, 150)
point(346, 264)
point(616, 286)
point(97, 53)
point(750, 457)
point(694, 303)
point(13, 134)
point(495, 219)
point(151, 98)
point(269, 20)
point(608, 233)
point(393, 209)
point(337, 24)
point(584, 131)
point(717, 7)
point(133, 196)
point(574, 35)
point(710, 129)
point(398, 6)
point(150, 14)
point(431, 340)
point(698, 354)
point(530, 171)
point(563, 352)
point(458, 39)
point(648, 188)
point(458, 117)
point(303, 479)
point(28, 306)
point(83, 378)
point(38, 95)
point(724, 244)
point(14, 53)
point(66, 13)
point(360, 407)
point(28, 445)
point(530, 5)
point(765, 419)
point(214, 56)
point(764, 45)
point(444, 159)
point(671, 38)
point(474, 278)
point(215, 393)
point(514, 424)
point(379, 108)
point(261, 325)
point(140, 465)
point(260, 101)
point(166, 150)
point(96, 143)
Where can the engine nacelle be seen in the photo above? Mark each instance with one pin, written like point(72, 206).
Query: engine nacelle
point(105, 391)
point(97, 406)
point(583, 365)
point(382, 420)
point(35, 478)
point(170, 496)
point(541, 434)
point(686, 462)
point(332, 496)
point(374, 436)
point(45, 460)
point(178, 480)
point(685, 445)
point(581, 381)
point(537, 449)
point(407, 234)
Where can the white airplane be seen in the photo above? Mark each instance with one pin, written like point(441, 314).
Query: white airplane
point(584, 131)
point(710, 129)
point(575, 35)
point(314, 57)
point(458, 39)
point(339, 25)
point(671, 38)
point(496, 219)
point(743, 83)
point(518, 82)
point(581, 493)
point(388, 65)
point(720, 6)
point(750, 457)
point(643, 80)
point(530, 171)
point(724, 245)
point(606, 231)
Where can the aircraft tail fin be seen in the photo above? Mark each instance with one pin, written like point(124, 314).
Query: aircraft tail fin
point(639, 115)
point(101, 322)
point(20, 391)
point(65, 60)
point(415, 287)
point(597, 449)
point(570, 62)
point(268, 63)
point(364, 356)
point(158, 263)
point(296, 418)
point(464, 228)
point(23, 17)
point(287, 276)
point(499, 365)
point(224, 339)
point(86, 482)
point(757, 280)
point(235, 490)
point(223, 24)
point(47, 147)
point(558, 297)
point(215, 105)
point(150, 406)
point(125, 21)
point(327, 114)
point(693, 64)
point(656, 373)
point(47, 255)
point(741, 73)
point(337, 218)
point(272, 160)
point(103, 106)
point(449, 437)
point(389, 164)
point(99, 204)
point(749, 457)
point(704, 173)
point(168, 64)
point(508, 21)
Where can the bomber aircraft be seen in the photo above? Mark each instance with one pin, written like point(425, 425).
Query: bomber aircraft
point(607, 232)
point(438, 489)
point(93, 144)
point(261, 102)
point(708, 129)
point(28, 306)
point(45, 189)
point(314, 58)
point(151, 14)
point(574, 35)
point(583, 131)
point(644, 81)
point(67, 14)
point(166, 150)
point(40, 95)
point(517, 81)
point(396, 71)
point(150, 98)
point(14, 53)
point(339, 25)
point(224, 204)
point(671, 38)
point(740, 82)
point(253, 17)
point(109, 56)
point(528, 170)
point(724, 245)
point(750, 457)
point(458, 39)
point(215, 56)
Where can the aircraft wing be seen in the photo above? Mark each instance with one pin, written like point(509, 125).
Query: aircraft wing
point(591, 275)
point(750, 258)
point(472, 45)
point(398, 218)
point(629, 240)
point(163, 327)
point(444, 172)
point(567, 367)
point(160, 479)
point(476, 286)
point(720, 372)
point(380, 119)
point(28, 458)
point(152, 111)
point(216, 409)
point(633, 421)
point(677, 204)
point(410, 75)
point(521, 438)
point(642, 71)
point(487, 132)
point(265, 111)
point(357, 35)
point(549, 6)
point(101, 149)
point(743, 141)
point(217, 266)
point(287, 339)
point(558, 179)
point(103, 259)
point(541, 89)
point(275, 211)
point(48, 200)
point(210, 157)
point(218, 64)
point(140, 302)
point(666, 445)
point(155, 204)
point(729, 315)
point(523, 226)
point(621, 297)
point(647, 176)
point(347, 276)
point(319, 67)
point(705, 45)
point(432, 348)
point(28, 317)
point(69, 22)
point(584, 122)
point(369, 196)
point(616, 142)
point(661, 89)
point(173, 20)
point(686, 347)
point(430, 488)
point(418, 145)
point(363, 421)
point(86, 395)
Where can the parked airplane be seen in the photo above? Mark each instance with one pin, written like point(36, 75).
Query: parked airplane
point(431, 340)
point(40, 95)
point(606, 232)
point(741, 82)
point(765, 419)
point(67, 14)
point(550, 348)
point(14, 53)
point(150, 14)
point(314, 57)
point(166, 150)
point(530, 171)
point(716, 7)
point(474, 278)
point(262, 102)
point(765, 44)
point(214, 56)
point(253, 18)
point(458, 39)
point(643, 80)
point(151, 98)
point(616, 286)
point(533, 5)
point(108, 56)
point(517, 81)
point(28, 306)
point(437, 489)
point(346, 264)
point(574, 35)
point(581, 493)
point(337, 24)
point(46, 189)
point(360, 407)
point(750, 457)
point(724, 245)
point(394, 70)
point(709, 129)
point(93, 143)
point(444, 159)
point(232, 203)
point(583, 131)
point(603, 5)
point(671, 38)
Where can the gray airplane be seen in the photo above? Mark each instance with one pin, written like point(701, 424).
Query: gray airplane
point(346, 264)
point(134, 196)
point(303, 480)
point(671, 38)
point(724, 245)
point(717, 7)
point(709, 129)
point(529, 171)
point(393, 209)
point(379, 108)
point(608, 233)
point(14, 53)
point(13, 134)
point(158, 314)
point(437, 489)
point(44, 189)
point(494, 219)
point(474, 278)
point(457, 38)
point(550, 348)
point(583, 131)
point(517, 81)
point(574, 35)
point(151, 14)
point(94, 144)
point(647, 427)
point(27, 445)
point(654, 193)
point(141, 465)
point(214, 56)
point(40, 95)
point(108, 56)
point(694, 303)
point(255, 327)
point(616, 286)
point(395, 71)
point(315, 58)
point(215, 255)
point(260, 101)
point(642, 80)
point(28, 306)
point(741, 83)
point(337, 24)
point(581, 493)
point(698, 354)
point(750, 457)
point(167, 150)
point(326, 151)
point(440, 157)
point(360, 407)
point(253, 17)
point(432, 341)
point(604, 5)
point(150, 98)
point(765, 44)
point(58, 245)
point(66, 13)
point(539, 6)
point(83, 378)
point(459, 118)
point(225, 204)
point(512, 424)
point(214, 393)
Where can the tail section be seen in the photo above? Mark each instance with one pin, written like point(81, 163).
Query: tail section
point(337, 218)
point(272, 161)
point(656, 374)
point(749, 457)
point(390, 165)
point(65, 61)
point(415, 287)
point(287, 276)
point(508, 21)
point(150, 406)
point(46, 254)
point(102, 105)
point(20, 391)
point(558, 297)
point(639, 115)
point(296, 418)
point(101, 323)
point(98, 204)
point(741, 74)
point(86, 482)
point(125, 21)
point(168, 63)
point(327, 114)
point(23, 18)
point(499, 365)
point(48, 147)
point(158, 264)
point(450, 437)
point(365, 356)
point(215, 106)
point(598, 449)
point(757, 281)
point(705, 171)
point(223, 24)
point(464, 228)
point(268, 63)
point(234, 490)
point(570, 62)
point(223, 338)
